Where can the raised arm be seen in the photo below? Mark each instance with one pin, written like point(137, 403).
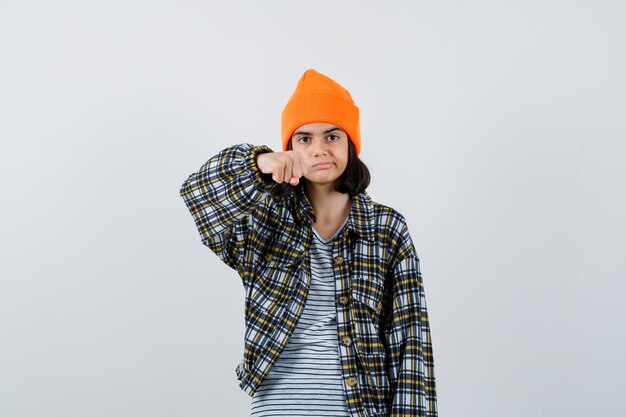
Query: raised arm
point(221, 195)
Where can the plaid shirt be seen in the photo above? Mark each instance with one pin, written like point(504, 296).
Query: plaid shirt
point(385, 350)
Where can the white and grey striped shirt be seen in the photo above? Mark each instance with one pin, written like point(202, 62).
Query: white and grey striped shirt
point(306, 379)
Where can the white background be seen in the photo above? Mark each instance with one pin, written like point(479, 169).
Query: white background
point(497, 128)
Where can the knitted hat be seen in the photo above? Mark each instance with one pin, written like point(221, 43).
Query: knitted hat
point(318, 98)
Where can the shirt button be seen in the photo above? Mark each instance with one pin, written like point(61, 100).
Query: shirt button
point(346, 340)
point(344, 300)
point(379, 306)
point(269, 257)
point(352, 381)
point(339, 259)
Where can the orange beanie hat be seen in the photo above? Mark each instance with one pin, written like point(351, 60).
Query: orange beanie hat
point(318, 98)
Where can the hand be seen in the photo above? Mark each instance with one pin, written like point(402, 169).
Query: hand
point(284, 166)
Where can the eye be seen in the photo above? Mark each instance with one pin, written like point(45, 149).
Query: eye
point(302, 137)
point(334, 136)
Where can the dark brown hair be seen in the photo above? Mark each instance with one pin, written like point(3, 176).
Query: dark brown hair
point(354, 180)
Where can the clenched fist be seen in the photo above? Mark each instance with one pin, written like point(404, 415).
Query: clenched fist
point(285, 166)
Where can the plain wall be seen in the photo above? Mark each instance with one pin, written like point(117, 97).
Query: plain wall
point(496, 128)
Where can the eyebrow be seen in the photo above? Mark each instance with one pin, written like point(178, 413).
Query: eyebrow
point(301, 132)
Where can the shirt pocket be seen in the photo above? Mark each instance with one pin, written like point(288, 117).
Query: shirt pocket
point(367, 306)
point(273, 282)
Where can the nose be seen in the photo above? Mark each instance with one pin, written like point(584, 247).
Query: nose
point(319, 147)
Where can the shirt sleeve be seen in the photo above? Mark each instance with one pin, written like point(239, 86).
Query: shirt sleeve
point(221, 195)
point(408, 339)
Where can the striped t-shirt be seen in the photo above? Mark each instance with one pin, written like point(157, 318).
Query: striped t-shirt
point(306, 379)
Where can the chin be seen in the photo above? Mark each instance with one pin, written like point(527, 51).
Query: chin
point(324, 181)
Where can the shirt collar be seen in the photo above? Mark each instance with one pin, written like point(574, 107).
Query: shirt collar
point(360, 219)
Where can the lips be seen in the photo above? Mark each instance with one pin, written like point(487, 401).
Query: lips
point(322, 163)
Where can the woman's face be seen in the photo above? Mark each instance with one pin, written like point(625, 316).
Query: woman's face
point(322, 143)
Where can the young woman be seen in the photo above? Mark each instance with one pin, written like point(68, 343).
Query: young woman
point(336, 318)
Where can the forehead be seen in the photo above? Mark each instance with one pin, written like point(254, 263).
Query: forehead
point(316, 127)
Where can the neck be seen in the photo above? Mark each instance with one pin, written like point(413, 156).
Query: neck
point(327, 203)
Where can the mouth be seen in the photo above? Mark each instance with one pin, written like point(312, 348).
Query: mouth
point(323, 164)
